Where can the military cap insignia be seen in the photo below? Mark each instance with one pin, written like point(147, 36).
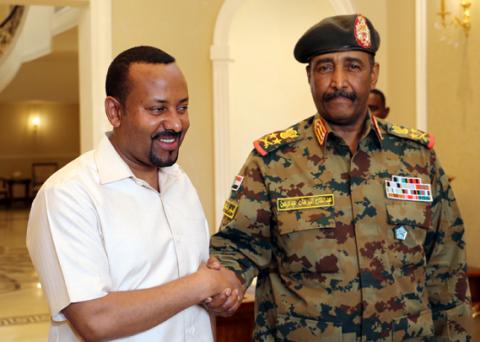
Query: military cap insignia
point(362, 32)
point(305, 202)
point(408, 189)
point(274, 140)
point(230, 209)
point(413, 134)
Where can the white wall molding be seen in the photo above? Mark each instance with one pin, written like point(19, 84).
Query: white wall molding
point(65, 19)
point(421, 64)
point(95, 53)
point(220, 56)
point(221, 59)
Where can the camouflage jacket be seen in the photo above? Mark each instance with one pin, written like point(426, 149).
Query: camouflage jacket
point(340, 250)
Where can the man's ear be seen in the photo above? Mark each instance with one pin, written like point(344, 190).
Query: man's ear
point(113, 109)
point(307, 69)
point(374, 73)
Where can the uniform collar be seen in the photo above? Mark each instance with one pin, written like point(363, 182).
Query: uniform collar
point(321, 129)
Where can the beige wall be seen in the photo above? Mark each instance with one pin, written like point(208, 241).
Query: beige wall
point(401, 96)
point(185, 30)
point(56, 139)
point(454, 115)
point(268, 87)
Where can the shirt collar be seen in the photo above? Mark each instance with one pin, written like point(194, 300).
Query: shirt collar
point(321, 129)
point(111, 167)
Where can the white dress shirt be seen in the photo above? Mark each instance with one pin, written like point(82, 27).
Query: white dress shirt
point(95, 228)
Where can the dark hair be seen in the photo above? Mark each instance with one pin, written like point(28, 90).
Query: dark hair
point(379, 94)
point(116, 84)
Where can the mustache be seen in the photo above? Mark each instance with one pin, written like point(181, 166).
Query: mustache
point(339, 93)
point(169, 133)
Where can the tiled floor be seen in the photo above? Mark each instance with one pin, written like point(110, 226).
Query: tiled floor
point(23, 309)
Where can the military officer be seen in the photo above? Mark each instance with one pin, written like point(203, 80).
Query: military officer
point(349, 224)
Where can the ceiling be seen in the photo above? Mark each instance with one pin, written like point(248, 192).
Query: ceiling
point(53, 77)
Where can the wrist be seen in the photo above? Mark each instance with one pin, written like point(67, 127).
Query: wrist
point(204, 284)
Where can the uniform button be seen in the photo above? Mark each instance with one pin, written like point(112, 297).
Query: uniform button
point(191, 331)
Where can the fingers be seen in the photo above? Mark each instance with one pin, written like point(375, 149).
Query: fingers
point(231, 304)
point(213, 263)
point(217, 301)
point(226, 303)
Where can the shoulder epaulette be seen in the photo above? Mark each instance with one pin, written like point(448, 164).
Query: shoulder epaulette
point(272, 141)
point(421, 137)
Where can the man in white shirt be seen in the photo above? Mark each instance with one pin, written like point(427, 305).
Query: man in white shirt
point(118, 236)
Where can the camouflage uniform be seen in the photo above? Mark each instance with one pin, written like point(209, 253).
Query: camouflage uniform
point(316, 227)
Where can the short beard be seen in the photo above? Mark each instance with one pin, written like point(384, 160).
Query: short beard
point(159, 162)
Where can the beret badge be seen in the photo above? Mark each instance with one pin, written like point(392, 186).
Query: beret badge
point(362, 32)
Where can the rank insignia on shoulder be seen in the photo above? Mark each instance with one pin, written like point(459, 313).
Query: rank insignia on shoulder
point(400, 233)
point(408, 189)
point(237, 183)
point(305, 202)
point(424, 138)
point(230, 209)
point(274, 140)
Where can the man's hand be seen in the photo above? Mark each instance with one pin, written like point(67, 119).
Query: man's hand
point(229, 300)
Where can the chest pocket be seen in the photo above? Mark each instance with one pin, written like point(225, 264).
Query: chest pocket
point(306, 241)
point(408, 225)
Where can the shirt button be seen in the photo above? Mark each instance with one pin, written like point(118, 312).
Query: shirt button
point(191, 331)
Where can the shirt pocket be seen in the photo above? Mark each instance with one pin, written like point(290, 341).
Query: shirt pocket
point(306, 241)
point(408, 225)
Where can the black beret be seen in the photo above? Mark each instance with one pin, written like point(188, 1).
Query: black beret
point(339, 33)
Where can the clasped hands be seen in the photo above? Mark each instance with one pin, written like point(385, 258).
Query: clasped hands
point(227, 291)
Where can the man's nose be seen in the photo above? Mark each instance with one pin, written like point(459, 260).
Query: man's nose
point(339, 78)
point(172, 121)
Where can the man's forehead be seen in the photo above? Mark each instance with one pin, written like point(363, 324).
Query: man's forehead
point(341, 56)
point(147, 69)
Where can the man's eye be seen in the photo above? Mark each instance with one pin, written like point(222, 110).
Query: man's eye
point(353, 67)
point(182, 109)
point(158, 110)
point(324, 68)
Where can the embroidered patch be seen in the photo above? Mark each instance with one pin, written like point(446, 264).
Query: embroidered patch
point(401, 233)
point(273, 140)
point(230, 209)
point(362, 32)
point(305, 202)
point(408, 189)
point(320, 130)
point(237, 183)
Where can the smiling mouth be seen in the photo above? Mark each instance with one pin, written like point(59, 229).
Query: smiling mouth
point(167, 140)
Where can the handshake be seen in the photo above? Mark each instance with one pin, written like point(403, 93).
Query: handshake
point(224, 291)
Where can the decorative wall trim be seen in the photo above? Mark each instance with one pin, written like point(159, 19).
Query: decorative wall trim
point(31, 41)
point(221, 59)
point(421, 64)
